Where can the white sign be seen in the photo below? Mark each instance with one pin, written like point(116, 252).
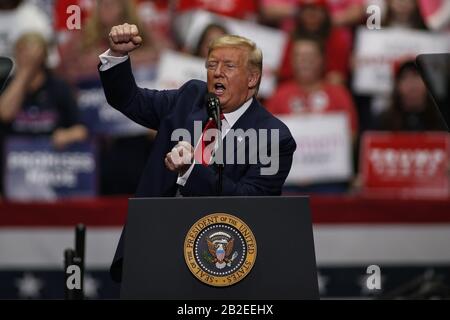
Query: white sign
point(377, 50)
point(324, 148)
point(271, 41)
point(175, 69)
point(35, 170)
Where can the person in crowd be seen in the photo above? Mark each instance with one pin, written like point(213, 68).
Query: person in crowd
point(399, 15)
point(35, 102)
point(18, 17)
point(412, 108)
point(314, 20)
point(310, 93)
point(404, 14)
point(210, 33)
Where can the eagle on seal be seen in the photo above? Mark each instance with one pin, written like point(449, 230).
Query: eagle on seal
point(220, 247)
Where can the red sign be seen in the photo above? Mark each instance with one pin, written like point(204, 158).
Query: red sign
point(405, 164)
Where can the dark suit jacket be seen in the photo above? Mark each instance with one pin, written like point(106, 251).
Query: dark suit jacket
point(168, 110)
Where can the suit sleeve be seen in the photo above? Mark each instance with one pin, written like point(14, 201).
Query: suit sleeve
point(144, 106)
point(203, 180)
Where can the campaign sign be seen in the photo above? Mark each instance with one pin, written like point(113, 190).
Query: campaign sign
point(323, 148)
point(405, 164)
point(35, 171)
point(376, 51)
point(99, 117)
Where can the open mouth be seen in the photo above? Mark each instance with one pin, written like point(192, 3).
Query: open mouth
point(219, 89)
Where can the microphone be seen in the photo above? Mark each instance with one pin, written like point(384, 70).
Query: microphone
point(213, 109)
point(212, 105)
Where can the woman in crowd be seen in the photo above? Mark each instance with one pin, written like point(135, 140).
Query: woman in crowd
point(404, 13)
point(411, 106)
point(35, 102)
point(18, 17)
point(314, 20)
point(402, 16)
point(310, 93)
point(210, 33)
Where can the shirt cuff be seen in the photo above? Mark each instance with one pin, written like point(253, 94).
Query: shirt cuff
point(183, 179)
point(108, 61)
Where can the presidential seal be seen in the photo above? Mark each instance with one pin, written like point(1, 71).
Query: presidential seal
point(220, 249)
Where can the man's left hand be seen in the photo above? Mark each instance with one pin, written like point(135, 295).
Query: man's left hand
point(180, 158)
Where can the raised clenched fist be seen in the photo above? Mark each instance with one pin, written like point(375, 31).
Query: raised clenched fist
point(123, 39)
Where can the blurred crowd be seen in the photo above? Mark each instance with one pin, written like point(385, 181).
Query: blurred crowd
point(53, 62)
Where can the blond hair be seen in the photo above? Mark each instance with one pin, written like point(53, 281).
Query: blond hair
point(254, 57)
point(35, 37)
point(95, 32)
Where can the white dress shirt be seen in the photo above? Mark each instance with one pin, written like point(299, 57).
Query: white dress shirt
point(108, 61)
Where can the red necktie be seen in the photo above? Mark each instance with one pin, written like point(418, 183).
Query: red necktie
point(206, 156)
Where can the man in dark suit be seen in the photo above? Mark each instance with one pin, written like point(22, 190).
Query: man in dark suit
point(234, 68)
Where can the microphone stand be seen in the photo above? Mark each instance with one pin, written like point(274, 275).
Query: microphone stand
point(220, 149)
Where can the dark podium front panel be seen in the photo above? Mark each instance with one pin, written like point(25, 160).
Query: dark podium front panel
point(155, 266)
